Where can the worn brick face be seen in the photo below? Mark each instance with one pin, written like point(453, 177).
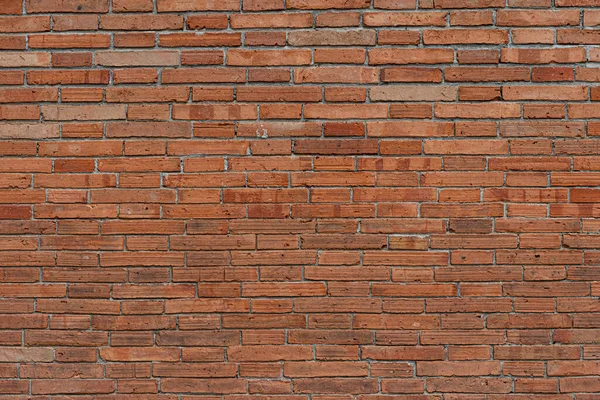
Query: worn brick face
point(299, 199)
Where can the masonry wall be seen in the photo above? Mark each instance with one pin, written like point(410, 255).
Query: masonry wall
point(299, 199)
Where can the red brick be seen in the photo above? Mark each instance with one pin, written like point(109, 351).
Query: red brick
point(404, 19)
point(82, 41)
point(45, 6)
point(337, 19)
point(58, 386)
point(410, 56)
point(542, 56)
point(195, 5)
point(321, 4)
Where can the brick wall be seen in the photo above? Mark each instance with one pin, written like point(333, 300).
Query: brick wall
point(299, 199)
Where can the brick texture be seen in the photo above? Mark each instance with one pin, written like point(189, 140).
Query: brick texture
point(300, 199)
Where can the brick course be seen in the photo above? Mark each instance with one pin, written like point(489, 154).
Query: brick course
point(299, 199)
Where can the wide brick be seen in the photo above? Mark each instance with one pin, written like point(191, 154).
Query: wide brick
point(268, 57)
point(137, 58)
point(141, 22)
point(318, 369)
point(139, 354)
point(20, 60)
point(220, 112)
point(321, 4)
point(537, 18)
point(46, 6)
point(83, 113)
point(196, 5)
point(470, 385)
point(335, 75)
point(412, 93)
point(544, 93)
point(148, 129)
point(543, 56)
point(336, 385)
point(70, 77)
point(20, 354)
point(394, 353)
point(57, 386)
point(295, 20)
point(477, 111)
point(404, 19)
point(410, 56)
point(24, 24)
point(465, 36)
point(68, 41)
point(332, 38)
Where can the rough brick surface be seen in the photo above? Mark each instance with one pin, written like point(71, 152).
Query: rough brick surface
point(299, 199)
